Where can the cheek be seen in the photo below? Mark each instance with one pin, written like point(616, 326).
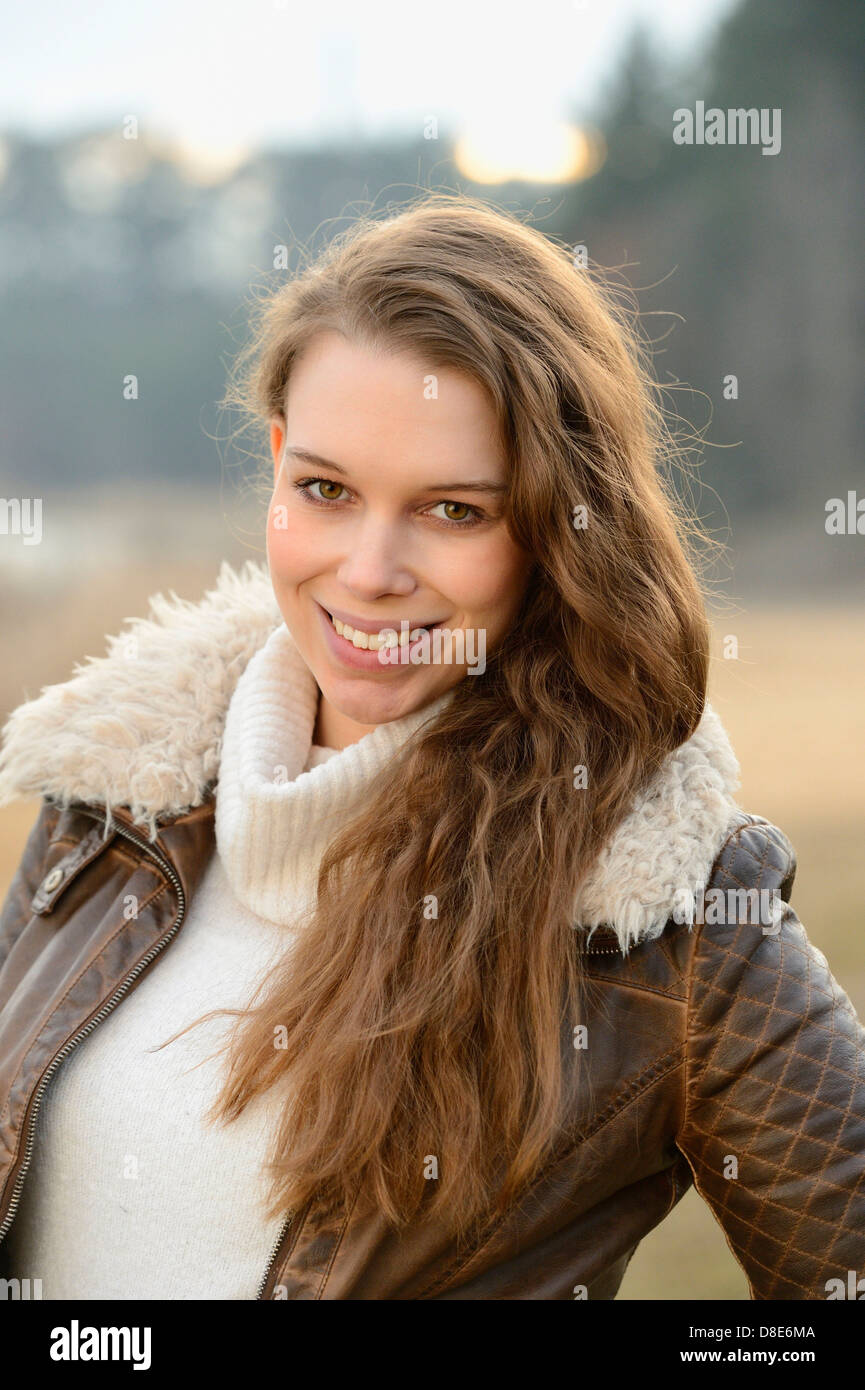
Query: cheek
point(294, 548)
point(492, 581)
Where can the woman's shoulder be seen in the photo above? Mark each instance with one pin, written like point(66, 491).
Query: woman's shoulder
point(756, 853)
point(141, 725)
point(742, 872)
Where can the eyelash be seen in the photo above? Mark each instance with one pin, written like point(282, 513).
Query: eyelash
point(478, 517)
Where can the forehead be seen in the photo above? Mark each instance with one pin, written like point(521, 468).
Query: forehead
point(361, 405)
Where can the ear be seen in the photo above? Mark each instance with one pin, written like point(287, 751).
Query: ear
point(277, 439)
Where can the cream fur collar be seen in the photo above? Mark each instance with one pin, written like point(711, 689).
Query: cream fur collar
point(142, 728)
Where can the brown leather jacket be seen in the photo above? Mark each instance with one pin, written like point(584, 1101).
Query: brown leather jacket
point(723, 1054)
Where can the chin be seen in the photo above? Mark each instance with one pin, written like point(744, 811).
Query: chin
point(368, 704)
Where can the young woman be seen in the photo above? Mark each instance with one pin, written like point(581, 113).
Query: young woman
point(390, 929)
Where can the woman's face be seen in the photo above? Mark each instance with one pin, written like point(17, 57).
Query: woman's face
point(388, 513)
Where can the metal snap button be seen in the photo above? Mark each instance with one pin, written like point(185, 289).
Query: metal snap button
point(52, 880)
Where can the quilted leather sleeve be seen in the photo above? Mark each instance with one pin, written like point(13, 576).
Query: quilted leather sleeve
point(773, 1124)
point(16, 908)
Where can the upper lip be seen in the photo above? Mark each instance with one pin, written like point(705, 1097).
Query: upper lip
point(370, 625)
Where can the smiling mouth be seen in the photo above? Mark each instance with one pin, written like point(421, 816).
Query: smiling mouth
point(389, 635)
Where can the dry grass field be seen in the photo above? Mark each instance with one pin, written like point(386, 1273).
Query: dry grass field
point(793, 707)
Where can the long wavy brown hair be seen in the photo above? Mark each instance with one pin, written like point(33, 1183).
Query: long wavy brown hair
point(403, 1037)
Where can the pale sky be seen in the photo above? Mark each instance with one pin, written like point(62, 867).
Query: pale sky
point(217, 73)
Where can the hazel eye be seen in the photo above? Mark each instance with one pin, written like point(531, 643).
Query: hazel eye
point(325, 483)
point(460, 514)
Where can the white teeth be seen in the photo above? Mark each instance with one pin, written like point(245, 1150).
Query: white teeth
point(373, 641)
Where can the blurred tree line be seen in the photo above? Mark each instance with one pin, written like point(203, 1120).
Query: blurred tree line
point(113, 261)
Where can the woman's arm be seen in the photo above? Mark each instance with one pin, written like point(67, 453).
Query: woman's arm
point(774, 1121)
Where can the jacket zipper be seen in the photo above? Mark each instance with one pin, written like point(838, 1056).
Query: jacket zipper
point(273, 1254)
point(168, 870)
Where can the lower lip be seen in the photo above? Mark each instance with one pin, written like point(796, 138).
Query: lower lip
point(360, 659)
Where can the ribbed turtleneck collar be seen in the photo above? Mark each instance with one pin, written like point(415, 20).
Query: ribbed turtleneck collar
point(273, 819)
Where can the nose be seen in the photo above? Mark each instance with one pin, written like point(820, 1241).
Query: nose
point(376, 559)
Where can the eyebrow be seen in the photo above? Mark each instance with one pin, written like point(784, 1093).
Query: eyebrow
point(459, 486)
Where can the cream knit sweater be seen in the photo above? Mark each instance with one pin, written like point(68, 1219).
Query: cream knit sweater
point(130, 1195)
